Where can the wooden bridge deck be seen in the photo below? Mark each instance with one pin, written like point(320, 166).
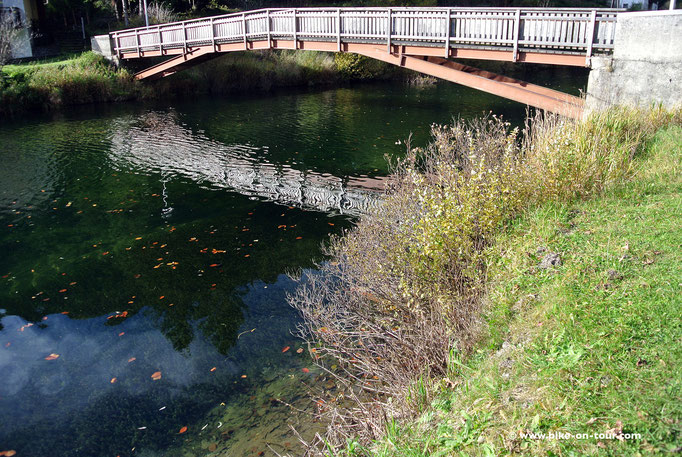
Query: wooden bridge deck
point(417, 38)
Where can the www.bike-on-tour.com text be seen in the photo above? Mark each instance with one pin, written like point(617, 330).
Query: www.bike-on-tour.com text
point(579, 436)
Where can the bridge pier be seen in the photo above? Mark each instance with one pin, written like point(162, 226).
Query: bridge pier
point(646, 66)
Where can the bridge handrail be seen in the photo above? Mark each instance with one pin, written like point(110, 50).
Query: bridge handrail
point(557, 29)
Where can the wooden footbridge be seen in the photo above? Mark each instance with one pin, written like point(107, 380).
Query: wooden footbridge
point(420, 39)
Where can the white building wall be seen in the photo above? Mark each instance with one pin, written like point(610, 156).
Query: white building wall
point(21, 46)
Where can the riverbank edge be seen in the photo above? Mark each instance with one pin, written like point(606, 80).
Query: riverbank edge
point(89, 78)
point(585, 344)
point(581, 359)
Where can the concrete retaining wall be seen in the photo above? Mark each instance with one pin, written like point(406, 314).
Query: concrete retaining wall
point(101, 44)
point(646, 66)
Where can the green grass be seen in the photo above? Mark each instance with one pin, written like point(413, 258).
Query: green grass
point(86, 78)
point(592, 346)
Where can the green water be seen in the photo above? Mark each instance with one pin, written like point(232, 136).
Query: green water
point(139, 241)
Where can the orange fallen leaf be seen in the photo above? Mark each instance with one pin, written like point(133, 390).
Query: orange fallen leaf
point(162, 297)
point(61, 291)
point(305, 370)
point(299, 350)
point(299, 237)
point(330, 223)
point(285, 349)
point(156, 375)
point(243, 376)
point(113, 380)
point(105, 253)
point(52, 356)
point(213, 369)
point(247, 255)
point(72, 283)
point(122, 333)
point(183, 430)
point(138, 238)
point(213, 265)
point(9, 453)
point(132, 359)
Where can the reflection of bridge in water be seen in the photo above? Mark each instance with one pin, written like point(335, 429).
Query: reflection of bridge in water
point(159, 144)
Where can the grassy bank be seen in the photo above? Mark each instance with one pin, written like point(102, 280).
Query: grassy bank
point(89, 78)
point(591, 346)
point(511, 286)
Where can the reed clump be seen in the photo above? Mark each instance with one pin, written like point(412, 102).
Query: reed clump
point(401, 297)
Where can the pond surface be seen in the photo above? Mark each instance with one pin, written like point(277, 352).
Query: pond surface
point(144, 252)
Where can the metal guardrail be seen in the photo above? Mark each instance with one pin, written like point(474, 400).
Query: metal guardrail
point(561, 30)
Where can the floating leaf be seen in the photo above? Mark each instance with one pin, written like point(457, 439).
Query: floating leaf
point(113, 380)
point(132, 359)
point(285, 349)
point(156, 375)
point(299, 237)
point(61, 291)
point(213, 265)
point(183, 430)
point(299, 350)
point(52, 356)
point(138, 238)
point(213, 369)
point(305, 370)
point(243, 376)
point(11, 452)
point(122, 333)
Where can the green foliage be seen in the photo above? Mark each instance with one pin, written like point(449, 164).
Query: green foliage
point(410, 282)
point(355, 66)
point(590, 348)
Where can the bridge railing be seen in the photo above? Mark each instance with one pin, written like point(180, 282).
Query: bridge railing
point(563, 30)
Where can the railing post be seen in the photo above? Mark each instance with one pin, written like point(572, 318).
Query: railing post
point(388, 32)
point(212, 34)
point(137, 43)
point(590, 38)
point(517, 32)
point(295, 31)
point(118, 46)
point(267, 18)
point(184, 38)
point(244, 29)
point(447, 33)
point(338, 30)
point(158, 29)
